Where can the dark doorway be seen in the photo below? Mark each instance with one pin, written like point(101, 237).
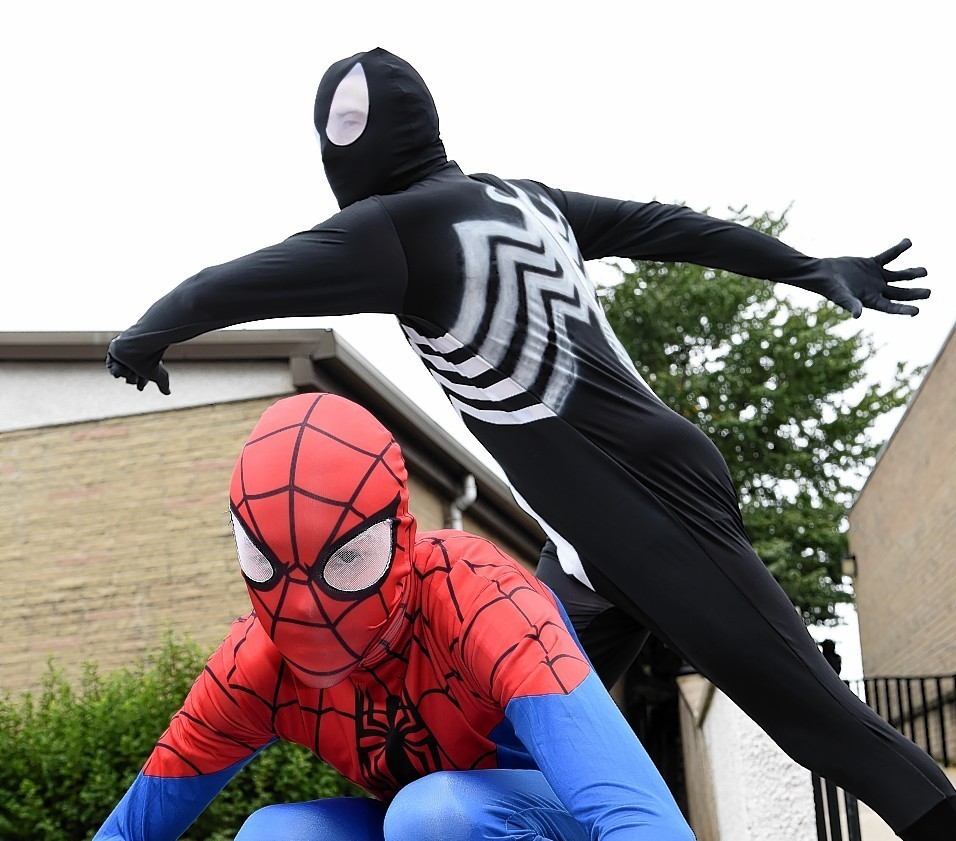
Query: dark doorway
point(651, 708)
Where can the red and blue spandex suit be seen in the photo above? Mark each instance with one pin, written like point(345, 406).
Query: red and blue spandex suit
point(431, 670)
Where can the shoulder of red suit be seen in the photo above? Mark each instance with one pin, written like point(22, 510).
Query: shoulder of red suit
point(470, 560)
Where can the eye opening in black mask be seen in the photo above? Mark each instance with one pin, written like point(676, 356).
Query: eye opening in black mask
point(348, 111)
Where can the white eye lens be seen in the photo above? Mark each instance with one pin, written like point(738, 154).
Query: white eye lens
point(348, 113)
point(363, 561)
point(254, 565)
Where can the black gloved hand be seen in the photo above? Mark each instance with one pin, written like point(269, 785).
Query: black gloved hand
point(857, 282)
point(159, 375)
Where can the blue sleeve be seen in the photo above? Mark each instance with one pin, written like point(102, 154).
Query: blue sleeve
point(596, 765)
point(162, 808)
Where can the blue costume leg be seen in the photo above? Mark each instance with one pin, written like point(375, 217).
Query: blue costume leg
point(332, 819)
point(492, 805)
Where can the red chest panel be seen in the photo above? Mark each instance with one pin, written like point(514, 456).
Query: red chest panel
point(478, 630)
point(382, 740)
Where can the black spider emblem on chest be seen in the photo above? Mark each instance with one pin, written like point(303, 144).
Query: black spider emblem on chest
point(396, 734)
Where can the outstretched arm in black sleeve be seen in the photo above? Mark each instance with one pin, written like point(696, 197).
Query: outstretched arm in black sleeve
point(653, 231)
point(352, 263)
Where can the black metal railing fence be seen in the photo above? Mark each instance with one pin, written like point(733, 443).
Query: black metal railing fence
point(921, 707)
point(835, 820)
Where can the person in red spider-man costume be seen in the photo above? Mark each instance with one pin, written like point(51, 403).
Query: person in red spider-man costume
point(430, 669)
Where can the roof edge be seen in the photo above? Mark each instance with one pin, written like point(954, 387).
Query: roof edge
point(307, 351)
point(219, 344)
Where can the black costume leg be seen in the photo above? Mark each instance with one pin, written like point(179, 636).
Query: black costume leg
point(693, 579)
point(611, 638)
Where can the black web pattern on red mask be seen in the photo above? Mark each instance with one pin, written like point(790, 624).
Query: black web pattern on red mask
point(369, 465)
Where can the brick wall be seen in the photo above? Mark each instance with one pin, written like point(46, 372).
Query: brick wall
point(903, 533)
point(113, 530)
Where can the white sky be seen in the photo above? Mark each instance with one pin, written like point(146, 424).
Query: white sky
point(143, 142)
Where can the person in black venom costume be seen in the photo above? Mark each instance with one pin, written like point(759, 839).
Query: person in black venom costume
point(487, 279)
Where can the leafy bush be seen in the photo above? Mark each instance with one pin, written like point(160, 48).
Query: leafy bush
point(68, 754)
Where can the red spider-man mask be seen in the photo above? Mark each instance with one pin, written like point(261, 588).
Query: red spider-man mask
point(320, 515)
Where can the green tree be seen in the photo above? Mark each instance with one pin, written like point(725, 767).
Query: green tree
point(780, 390)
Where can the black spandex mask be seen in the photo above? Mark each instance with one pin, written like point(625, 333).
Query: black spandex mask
point(377, 126)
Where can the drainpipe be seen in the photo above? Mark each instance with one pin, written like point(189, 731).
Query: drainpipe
point(469, 493)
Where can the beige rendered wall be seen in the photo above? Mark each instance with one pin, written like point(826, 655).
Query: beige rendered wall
point(903, 533)
point(113, 530)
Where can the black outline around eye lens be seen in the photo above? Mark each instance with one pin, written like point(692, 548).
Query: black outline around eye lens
point(267, 556)
point(318, 570)
point(393, 528)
